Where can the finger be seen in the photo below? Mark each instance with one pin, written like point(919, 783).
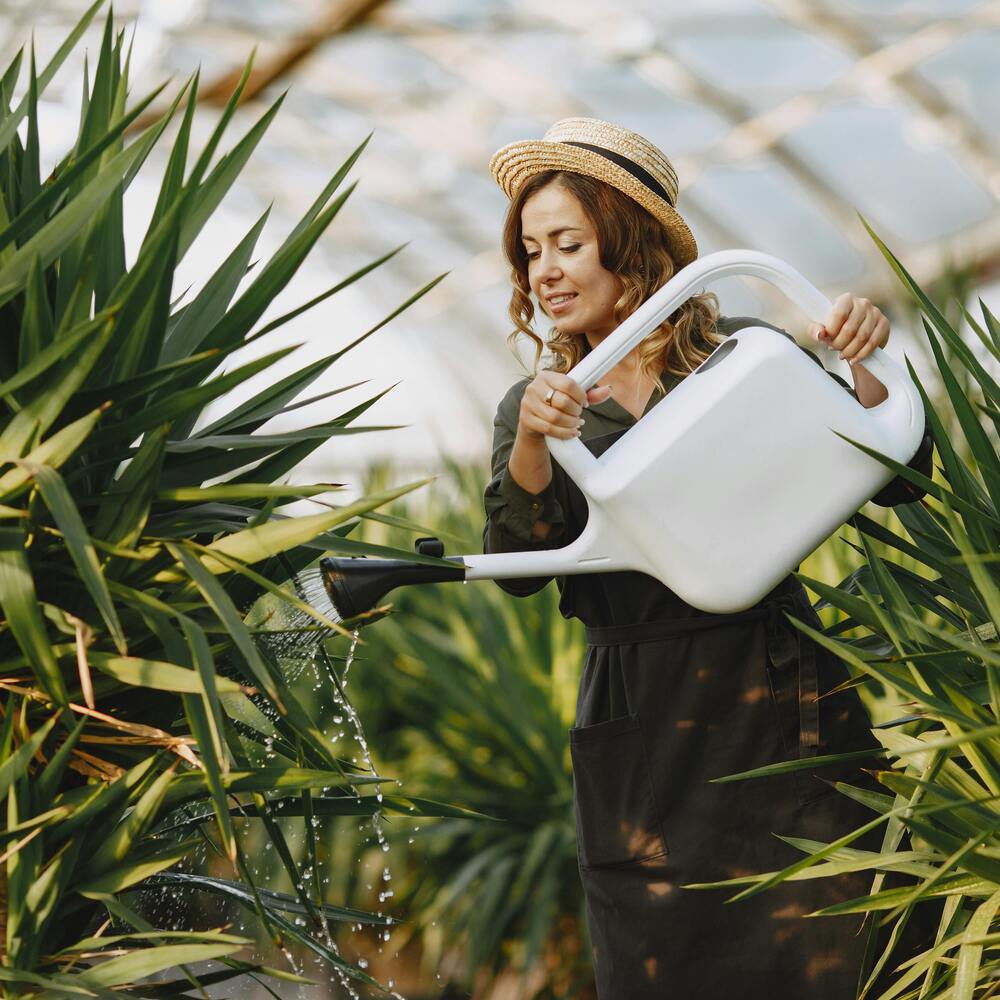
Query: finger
point(566, 394)
point(861, 338)
point(560, 402)
point(850, 327)
point(878, 339)
point(839, 312)
point(568, 386)
point(599, 394)
point(565, 415)
point(550, 427)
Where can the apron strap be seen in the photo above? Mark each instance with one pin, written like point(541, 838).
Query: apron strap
point(786, 645)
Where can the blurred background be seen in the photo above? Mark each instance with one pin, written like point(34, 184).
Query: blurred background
point(784, 119)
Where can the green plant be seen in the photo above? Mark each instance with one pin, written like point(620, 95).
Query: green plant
point(140, 714)
point(929, 638)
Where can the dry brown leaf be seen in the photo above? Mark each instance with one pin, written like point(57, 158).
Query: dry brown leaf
point(106, 769)
point(84, 637)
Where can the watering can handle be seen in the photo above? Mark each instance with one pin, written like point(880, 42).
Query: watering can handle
point(573, 455)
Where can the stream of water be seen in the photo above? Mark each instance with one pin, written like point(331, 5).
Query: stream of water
point(304, 659)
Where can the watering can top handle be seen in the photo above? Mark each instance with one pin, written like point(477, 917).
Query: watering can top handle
point(574, 456)
point(722, 264)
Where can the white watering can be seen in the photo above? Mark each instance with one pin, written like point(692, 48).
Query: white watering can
point(727, 484)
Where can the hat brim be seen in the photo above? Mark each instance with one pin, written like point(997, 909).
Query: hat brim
point(514, 163)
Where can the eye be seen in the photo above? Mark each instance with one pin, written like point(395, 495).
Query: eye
point(566, 249)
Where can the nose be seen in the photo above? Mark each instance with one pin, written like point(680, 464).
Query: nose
point(548, 267)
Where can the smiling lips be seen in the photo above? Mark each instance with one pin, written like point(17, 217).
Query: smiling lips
point(560, 302)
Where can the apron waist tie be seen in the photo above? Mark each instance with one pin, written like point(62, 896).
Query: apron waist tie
point(786, 646)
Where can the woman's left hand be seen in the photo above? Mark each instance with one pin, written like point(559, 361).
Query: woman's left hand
point(855, 327)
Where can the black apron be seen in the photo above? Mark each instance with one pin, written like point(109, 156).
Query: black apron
point(663, 707)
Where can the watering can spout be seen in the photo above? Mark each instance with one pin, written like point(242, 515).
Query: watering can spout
point(355, 586)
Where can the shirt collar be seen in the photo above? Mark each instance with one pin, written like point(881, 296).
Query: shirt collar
point(611, 409)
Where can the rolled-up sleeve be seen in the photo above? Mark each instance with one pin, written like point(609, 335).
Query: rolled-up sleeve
point(511, 511)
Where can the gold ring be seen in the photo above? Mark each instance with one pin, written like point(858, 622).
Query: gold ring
point(549, 395)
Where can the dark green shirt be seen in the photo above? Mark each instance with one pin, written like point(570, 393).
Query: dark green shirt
point(511, 510)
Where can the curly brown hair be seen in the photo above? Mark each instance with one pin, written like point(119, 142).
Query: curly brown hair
point(632, 246)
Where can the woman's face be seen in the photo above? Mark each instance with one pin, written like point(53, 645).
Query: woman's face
point(563, 257)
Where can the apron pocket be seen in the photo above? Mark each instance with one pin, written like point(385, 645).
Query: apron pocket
point(616, 817)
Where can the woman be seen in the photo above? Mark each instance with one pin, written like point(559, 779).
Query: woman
point(670, 696)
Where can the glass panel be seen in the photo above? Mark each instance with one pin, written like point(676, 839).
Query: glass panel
point(966, 73)
point(909, 191)
point(770, 211)
point(913, 8)
point(775, 63)
point(617, 94)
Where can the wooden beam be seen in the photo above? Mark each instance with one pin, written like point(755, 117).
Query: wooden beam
point(345, 15)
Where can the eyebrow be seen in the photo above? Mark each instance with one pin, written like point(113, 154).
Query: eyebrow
point(555, 232)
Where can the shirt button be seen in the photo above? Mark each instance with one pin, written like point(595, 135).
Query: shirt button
point(536, 506)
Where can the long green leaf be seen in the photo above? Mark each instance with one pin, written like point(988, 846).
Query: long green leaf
point(49, 400)
point(212, 758)
point(59, 232)
point(211, 192)
point(207, 716)
point(193, 785)
point(183, 402)
point(44, 359)
point(67, 175)
point(246, 491)
point(9, 124)
point(274, 276)
point(221, 604)
point(15, 766)
point(81, 549)
point(20, 607)
point(145, 962)
point(124, 509)
point(156, 674)
point(185, 335)
point(323, 296)
point(115, 848)
point(254, 544)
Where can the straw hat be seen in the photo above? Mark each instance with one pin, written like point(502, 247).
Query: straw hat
point(609, 153)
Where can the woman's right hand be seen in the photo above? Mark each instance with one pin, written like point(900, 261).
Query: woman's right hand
point(562, 416)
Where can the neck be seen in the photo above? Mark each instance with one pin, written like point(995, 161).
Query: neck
point(629, 364)
point(594, 339)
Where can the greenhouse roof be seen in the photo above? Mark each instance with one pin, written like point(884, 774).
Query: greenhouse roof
point(784, 119)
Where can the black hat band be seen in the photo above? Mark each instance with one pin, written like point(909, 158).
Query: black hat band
point(641, 175)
